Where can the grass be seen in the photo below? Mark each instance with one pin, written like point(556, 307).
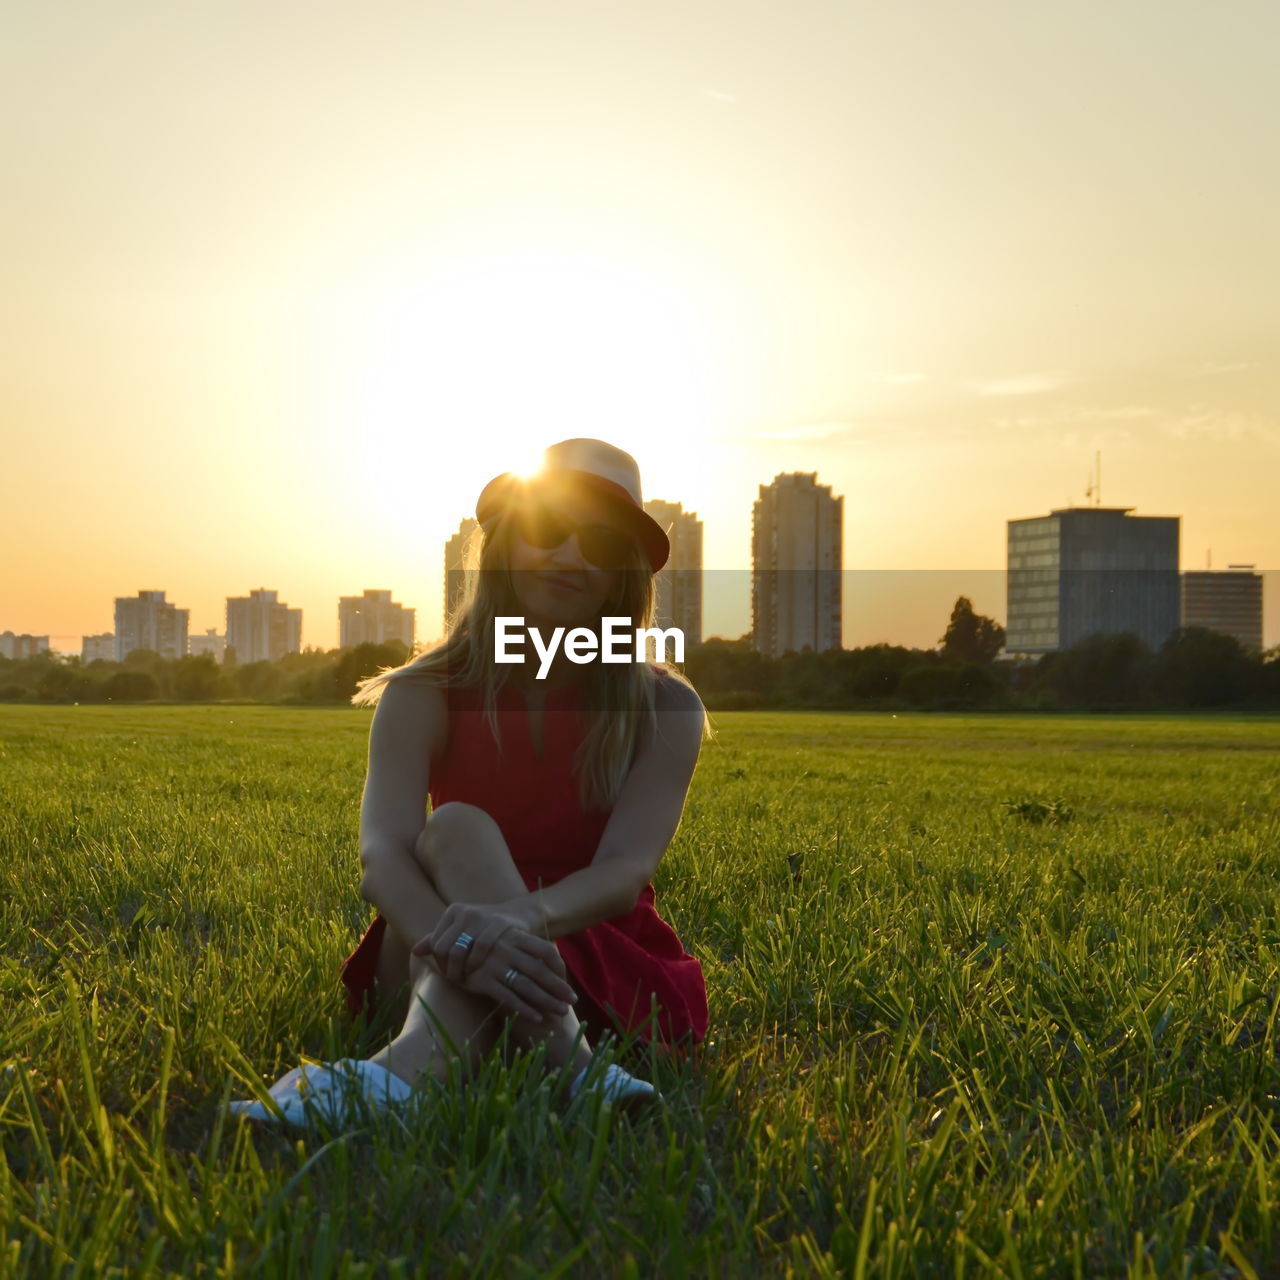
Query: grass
point(990, 995)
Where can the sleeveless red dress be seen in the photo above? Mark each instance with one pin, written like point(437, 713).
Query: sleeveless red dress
point(621, 968)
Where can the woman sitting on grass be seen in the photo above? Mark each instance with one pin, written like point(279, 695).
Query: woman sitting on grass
point(525, 901)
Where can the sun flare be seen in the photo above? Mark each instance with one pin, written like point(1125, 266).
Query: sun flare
point(473, 368)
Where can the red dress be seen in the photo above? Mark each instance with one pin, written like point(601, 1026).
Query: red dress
point(619, 967)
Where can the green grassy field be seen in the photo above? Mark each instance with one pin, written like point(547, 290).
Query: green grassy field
point(990, 995)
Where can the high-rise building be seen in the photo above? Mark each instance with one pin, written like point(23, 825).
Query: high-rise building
point(97, 648)
point(1227, 600)
point(455, 565)
point(678, 584)
point(1083, 571)
point(150, 622)
point(22, 646)
point(796, 545)
point(262, 628)
point(373, 618)
point(211, 643)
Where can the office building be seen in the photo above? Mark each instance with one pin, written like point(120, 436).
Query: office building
point(22, 646)
point(373, 618)
point(1227, 600)
point(678, 585)
point(99, 648)
point(148, 621)
point(260, 627)
point(796, 545)
point(1084, 571)
point(456, 552)
point(210, 643)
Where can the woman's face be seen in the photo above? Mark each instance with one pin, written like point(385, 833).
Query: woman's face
point(559, 585)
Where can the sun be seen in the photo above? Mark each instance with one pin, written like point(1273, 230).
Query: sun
point(525, 463)
point(486, 362)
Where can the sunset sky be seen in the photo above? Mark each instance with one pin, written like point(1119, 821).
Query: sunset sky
point(285, 284)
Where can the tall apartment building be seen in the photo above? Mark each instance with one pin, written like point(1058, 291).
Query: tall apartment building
point(1227, 600)
point(260, 627)
point(210, 643)
point(101, 647)
point(455, 553)
point(148, 621)
point(1082, 571)
point(22, 646)
point(796, 550)
point(373, 618)
point(678, 584)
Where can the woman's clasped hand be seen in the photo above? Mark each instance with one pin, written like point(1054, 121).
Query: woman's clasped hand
point(487, 950)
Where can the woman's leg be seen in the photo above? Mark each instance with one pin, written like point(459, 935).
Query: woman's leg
point(463, 851)
point(394, 980)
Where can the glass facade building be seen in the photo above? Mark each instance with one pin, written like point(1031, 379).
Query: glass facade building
point(1085, 571)
point(1227, 600)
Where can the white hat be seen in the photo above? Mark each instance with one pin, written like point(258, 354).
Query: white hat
point(601, 467)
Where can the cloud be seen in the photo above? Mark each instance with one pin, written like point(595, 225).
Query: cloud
point(1209, 369)
point(719, 95)
point(1080, 415)
point(1201, 422)
point(806, 431)
point(1022, 384)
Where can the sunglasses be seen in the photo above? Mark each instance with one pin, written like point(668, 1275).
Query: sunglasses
point(600, 544)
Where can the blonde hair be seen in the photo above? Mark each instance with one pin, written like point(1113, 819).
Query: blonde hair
point(619, 696)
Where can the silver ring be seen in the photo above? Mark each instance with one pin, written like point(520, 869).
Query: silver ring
point(510, 977)
point(464, 941)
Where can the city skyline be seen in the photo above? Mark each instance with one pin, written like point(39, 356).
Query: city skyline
point(788, 539)
point(281, 311)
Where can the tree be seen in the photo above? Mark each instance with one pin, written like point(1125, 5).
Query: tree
point(971, 637)
point(947, 685)
point(1202, 668)
point(130, 686)
point(262, 680)
point(873, 672)
point(62, 683)
point(196, 678)
point(1111, 669)
point(364, 660)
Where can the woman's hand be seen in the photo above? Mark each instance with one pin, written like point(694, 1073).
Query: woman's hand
point(501, 943)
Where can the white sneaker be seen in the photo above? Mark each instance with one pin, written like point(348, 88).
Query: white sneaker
point(616, 1085)
point(339, 1093)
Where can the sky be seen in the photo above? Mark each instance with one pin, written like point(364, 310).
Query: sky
point(285, 284)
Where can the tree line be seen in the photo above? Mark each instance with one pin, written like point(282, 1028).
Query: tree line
point(1193, 668)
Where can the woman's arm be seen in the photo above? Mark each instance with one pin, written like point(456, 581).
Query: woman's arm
point(410, 727)
point(409, 731)
point(642, 825)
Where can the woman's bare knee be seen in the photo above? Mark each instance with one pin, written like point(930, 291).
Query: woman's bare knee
point(453, 827)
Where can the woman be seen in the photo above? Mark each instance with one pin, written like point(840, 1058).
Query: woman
point(556, 786)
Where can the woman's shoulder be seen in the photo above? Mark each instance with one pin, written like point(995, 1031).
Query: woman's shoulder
point(411, 717)
point(672, 692)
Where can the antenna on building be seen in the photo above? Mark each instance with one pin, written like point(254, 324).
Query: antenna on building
point(1208, 558)
point(1093, 487)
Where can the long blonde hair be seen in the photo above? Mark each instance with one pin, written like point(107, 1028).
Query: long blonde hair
point(619, 697)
